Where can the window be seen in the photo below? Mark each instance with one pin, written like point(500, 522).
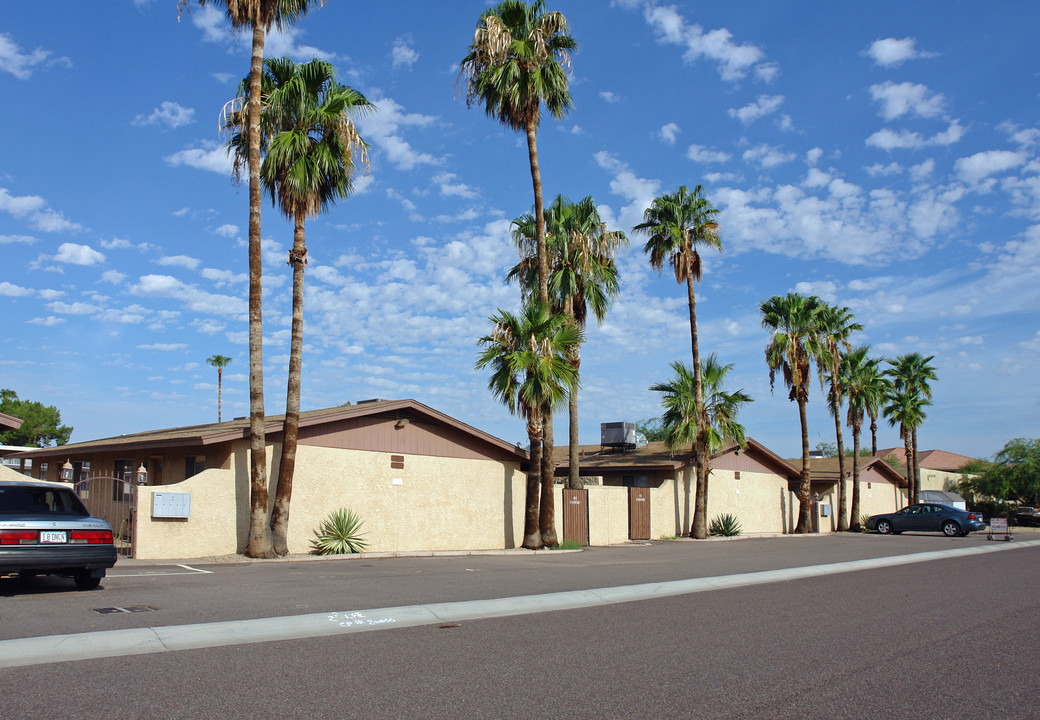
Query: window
point(193, 465)
point(123, 471)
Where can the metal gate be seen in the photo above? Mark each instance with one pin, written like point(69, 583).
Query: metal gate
point(576, 516)
point(638, 513)
point(111, 499)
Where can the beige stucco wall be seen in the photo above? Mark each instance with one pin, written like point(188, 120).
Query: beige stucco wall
point(756, 499)
point(938, 479)
point(211, 529)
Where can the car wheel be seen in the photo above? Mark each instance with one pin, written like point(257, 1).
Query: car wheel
point(86, 581)
point(951, 529)
point(884, 527)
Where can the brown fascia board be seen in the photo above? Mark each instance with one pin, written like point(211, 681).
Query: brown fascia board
point(10, 421)
point(772, 458)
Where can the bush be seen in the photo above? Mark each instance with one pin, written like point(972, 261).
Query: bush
point(566, 545)
point(724, 526)
point(339, 534)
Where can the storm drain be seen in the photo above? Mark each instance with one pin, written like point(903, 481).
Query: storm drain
point(129, 609)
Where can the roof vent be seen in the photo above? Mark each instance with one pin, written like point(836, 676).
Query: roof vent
point(372, 400)
point(618, 435)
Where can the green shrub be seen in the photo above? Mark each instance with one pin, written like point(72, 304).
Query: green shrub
point(340, 533)
point(863, 523)
point(724, 526)
point(566, 545)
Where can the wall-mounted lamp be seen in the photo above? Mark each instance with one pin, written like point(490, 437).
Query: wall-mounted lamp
point(401, 422)
point(142, 475)
point(66, 472)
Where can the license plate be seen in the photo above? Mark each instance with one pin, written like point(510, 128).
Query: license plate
point(53, 536)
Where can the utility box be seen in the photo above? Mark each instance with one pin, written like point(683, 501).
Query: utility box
point(171, 505)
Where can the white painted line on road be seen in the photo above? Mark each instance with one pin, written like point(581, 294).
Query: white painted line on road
point(156, 573)
point(189, 567)
point(115, 643)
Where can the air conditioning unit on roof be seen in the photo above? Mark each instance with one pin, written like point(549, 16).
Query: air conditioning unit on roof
point(618, 435)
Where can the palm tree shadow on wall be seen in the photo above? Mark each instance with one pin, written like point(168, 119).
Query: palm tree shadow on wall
point(507, 508)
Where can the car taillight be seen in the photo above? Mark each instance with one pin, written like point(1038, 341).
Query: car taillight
point(91, 537)
point(18, 537)
point(973, 516)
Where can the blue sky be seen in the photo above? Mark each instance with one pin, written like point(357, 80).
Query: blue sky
point(882, 156)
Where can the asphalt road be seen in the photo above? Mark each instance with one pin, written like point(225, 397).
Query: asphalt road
point(935, 639)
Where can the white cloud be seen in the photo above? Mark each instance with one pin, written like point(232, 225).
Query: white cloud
point(764, 105)
point(892, 52)
point(113, 277)
point(9, 290)
point(208, 156)
point(669, 133)
point(169, 113)
point(11, 239)
point(165, 347)
point(898, 99)
point(824, 289)
point(164, 286)
point(49, 321)
point(403, 54)
point(701, 154)
point(16, 62)
point(887, 139)
point(33, 209)
point(383, 128)
point(893, 168)
point(981, 165)
point(227, 230)
point(224, 277)
point(73, 254)
point(640, 192)
point(183, 261)
point(732, 60)
point(767, 156)
point(449, 186)
point(610, 97)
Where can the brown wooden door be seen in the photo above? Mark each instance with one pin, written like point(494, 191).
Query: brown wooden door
point(576, 516)
point(638, 513)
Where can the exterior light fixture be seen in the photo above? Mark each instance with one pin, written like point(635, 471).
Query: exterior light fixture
point(142, 475)
point(401, 422)
point(66, 472)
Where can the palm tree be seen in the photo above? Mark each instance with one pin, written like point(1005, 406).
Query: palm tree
point(312, 149)
point(260, 16)
point(530, 371)
point(838, 325)
point(676, 224)
point(913, 372)
point(865, 387)
point(681, 420)
point(905, 408)
point(515, 64)
point(582, 276)
point(795, 321)
point(219, 362)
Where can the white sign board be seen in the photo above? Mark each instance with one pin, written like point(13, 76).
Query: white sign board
point(171, 505)
point(998, 525)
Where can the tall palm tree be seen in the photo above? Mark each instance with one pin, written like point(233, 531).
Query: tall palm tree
point(583, 276)
point(838, 325)
point(905, 408)
point(865, 386)
point(312, 151)
point(530, 371)
point(795, 321)
point(260, 16)
point(219, 362)
point(913, 373)
point(677, 223)
point(516, 63)
point(681, 420)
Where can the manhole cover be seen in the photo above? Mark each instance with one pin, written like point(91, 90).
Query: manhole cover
point(128, 609)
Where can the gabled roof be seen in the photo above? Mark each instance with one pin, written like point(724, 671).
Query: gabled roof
point(238, 429)
point(826, 469)
point(657, 456)
point(931, 459)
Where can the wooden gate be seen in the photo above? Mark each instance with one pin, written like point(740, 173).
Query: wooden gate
point(638, 513)
point(111, 499)
point(576, 516)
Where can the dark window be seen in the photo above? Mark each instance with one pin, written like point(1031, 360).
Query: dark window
point(193, 465)
point(34, 500)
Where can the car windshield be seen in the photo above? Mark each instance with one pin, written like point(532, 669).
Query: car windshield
point(28, 500)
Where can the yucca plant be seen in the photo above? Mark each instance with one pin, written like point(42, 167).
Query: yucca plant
point(724, 526)
point(340, 533)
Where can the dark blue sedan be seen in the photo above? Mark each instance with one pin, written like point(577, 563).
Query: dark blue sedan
point(927, 517)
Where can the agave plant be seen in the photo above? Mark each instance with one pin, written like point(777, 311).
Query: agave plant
point(340, 533)
point(724, 526)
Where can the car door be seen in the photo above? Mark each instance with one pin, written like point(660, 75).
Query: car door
point(931, 518)
point(904, 519)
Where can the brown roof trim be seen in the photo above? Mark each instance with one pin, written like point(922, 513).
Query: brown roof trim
point(238, 429)
point(826, 469)
point(10, 421)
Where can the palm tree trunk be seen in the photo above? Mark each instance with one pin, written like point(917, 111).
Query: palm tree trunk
point(917, 470)
point(573, 461)
point(291, 424)
point(220, 390)
point(843, 518)
point(547, 514)
point(854, 522)
point(908, 449)
point(805, 486)
point(873, 434)
point(539, 217)
point(699, 529)
point(532, 534)
point(259, 544)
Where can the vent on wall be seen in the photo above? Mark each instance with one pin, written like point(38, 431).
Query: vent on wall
point(397, 462)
